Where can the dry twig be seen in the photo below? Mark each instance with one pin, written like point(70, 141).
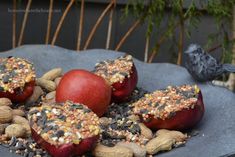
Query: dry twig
point(128, 33)
point(97, 24)
point(109, 28)
point(181, 35)
point(24, 22)
point(80, 25)
point(14, 25)
point(146, 49)
point(49, 22)
point(157, 47)
point(61, 22)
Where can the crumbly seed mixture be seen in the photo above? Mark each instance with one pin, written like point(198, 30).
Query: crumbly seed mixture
point(15, 73)
point(63, 123)
point(24, 147)
point(164, 104)
point(122, 129)
point(115, 70)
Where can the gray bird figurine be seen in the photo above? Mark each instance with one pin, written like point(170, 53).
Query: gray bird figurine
point(202, 66)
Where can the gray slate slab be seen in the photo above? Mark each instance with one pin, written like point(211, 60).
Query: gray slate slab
point(217, 129)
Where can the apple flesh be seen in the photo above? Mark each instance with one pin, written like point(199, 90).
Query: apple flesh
point(84, 87)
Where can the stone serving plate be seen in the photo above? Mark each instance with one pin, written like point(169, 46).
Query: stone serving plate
point(217, 128)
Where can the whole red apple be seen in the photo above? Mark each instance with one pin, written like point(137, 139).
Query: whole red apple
point(85, 87)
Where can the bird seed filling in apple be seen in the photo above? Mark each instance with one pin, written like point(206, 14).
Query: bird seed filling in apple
point(15, 73)
point(115, 70)
point(63, 123)
point(164, 104)
point(122, 129)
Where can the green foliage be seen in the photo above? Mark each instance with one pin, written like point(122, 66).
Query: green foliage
point(220, 9)
point(222, 13)
point(154, 13)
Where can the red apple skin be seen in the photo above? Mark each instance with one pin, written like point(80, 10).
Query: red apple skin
point(66, 150)
point(121, 91)
point(84, 87)
point(20, 96)
point(185, 119)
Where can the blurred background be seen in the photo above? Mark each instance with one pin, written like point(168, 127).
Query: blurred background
point(150, 30)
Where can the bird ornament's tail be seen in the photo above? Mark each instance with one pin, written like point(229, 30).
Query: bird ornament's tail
point(229, 68)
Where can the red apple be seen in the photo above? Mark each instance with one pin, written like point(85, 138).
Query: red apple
point(19, 95)
point(85, 87)
point(121, 91)
point(66, 150)
point(176, 108)
point(184, 119)
point(53, 130)
point(121, 74)
point(17, 79)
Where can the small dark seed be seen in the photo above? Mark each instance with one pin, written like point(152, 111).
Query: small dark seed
point(114, 72)
point(86, 110)
point(79, 125)
point(55, 127)
point(5, 78)
point(76, 106)
point(119, 137)
point(21, 66)
point(108, 143)
point(172, 114)
point(12, 74)
point(114, 126)
point(50, 121)
point(124, 74)
point(111, 61)
point(162, 107)
point(127, 124)
point(178, 101)
point(28, 148)
point(2, 67)
point(156, 104)
point(144, 111)
point(47, 128)
point(102, 63)
point(60, 133)
point(135, 129)
point(106, 135)
point(62, 117)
